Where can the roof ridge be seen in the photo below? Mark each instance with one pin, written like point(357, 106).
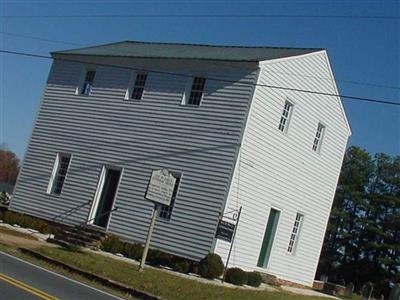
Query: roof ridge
point(140, 49)
point(216, 46)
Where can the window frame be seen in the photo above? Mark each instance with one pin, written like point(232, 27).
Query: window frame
point(82, 80)
point(295, 234)
point(168, 209)
point(288, 118)
point(189, 89)
point(317, 142)
point(54, 173)
point(132, 86)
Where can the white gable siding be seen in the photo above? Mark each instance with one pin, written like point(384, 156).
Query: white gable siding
point(282, 171)
point(139, 136)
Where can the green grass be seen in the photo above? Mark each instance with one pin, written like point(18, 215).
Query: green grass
point(158, 282)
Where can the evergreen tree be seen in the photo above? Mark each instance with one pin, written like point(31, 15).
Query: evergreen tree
point(362, 241)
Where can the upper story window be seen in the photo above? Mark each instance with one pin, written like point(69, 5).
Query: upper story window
point(165, 211)
point(136, 88)
point(285, 118)
point(196, 92)
point(59, 173)
point(319, 135)
point(295, 233)
point(87, 84)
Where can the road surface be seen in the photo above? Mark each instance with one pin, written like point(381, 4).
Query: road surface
point(22, 280)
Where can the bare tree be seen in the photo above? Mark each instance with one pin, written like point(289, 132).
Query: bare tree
point(9, 165)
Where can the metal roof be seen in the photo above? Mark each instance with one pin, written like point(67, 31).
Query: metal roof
point(188, 51)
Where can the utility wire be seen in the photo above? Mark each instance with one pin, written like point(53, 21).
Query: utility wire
point(39, 39)
point(268, 71)
point(208, 78)
point(243, 16)
point(336, 79)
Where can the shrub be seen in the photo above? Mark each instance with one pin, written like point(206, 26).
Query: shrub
point(194, 267)
point(254, 279)
point(26, 221)
point(180, 264)
point(158, 258)
point(133, 251)
point(211, 266)
point(154, 257)
point(112, 244)
point(3, 198)
point(236, 276)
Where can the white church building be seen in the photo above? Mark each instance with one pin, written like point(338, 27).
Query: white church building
point(251, 127)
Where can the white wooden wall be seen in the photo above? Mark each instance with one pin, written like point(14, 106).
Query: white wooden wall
point(157, 132)
point(282, 171)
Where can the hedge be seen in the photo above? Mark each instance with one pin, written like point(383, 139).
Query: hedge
point(211, 266)
point(236, 276)
point(254, 279)
point(26, 221)
point(154, 257)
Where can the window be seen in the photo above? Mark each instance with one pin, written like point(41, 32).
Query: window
point(165, 211)
point(286, 114)
point(136, 91)
point(318, 137)
point(295, 233)
point(87, 84)
point(196, 91)
point(59, 173)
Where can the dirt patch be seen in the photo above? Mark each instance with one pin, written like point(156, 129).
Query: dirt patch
point(17, 239)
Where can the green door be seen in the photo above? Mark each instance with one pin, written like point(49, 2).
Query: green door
point(269, 236)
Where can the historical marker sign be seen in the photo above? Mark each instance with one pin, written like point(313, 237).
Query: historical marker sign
point(161, 187)
point(225, 231)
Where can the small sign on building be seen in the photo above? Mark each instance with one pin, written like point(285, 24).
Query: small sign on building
point(225, 231)
point(161, 187)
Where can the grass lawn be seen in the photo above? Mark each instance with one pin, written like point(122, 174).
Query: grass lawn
point(158, 282)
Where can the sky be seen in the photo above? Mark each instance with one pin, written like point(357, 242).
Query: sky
point(364, 52)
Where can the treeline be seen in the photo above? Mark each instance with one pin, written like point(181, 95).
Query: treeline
point(362, 242)
point(9, 165)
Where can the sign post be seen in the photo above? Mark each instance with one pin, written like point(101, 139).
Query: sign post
point(232, 239)
point(160, 191)
point(146, 246)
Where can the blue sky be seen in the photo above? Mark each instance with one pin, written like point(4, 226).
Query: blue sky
point(362, 50)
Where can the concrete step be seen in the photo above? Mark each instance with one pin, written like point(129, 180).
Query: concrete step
point(88, 233)
point(79, 236)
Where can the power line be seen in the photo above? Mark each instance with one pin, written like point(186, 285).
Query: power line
point(336, 79)
point(39, 39)
point(208, 78)
point(268, 71)
point(244, 16)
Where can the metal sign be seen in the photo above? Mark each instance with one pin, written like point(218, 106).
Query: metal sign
point(225, 231)
point(161, 187)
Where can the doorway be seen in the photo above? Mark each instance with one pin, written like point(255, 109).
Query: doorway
point(104, 197)
point(269, 236)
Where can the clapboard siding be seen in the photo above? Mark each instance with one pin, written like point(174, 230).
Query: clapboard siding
point(281, 171)
point(139, 136)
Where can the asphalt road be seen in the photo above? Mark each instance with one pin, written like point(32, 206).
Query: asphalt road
point(23, 280)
